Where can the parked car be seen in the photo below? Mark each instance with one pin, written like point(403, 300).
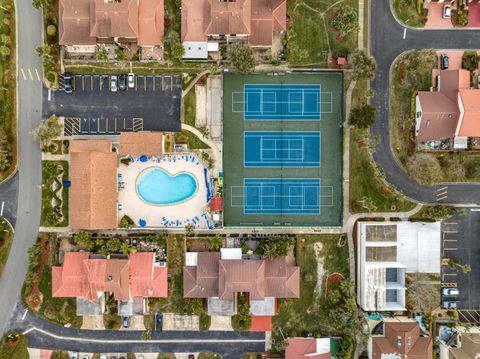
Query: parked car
point(444, 61)
point(131, 80)
point(67, 82)
point(447, 10)
point(125, 322)
point(113, 83)
point(85, 356)
point(478, 82)
point(191, 356)
point(158, 321)
point(449, 304)
point(122, 82)
point(103, 356)
point(450, 291)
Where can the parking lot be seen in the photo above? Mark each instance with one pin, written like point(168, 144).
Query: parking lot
point(460, 240)
point(93, 109)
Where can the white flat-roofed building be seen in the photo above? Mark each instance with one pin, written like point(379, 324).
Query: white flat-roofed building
point(386, 252)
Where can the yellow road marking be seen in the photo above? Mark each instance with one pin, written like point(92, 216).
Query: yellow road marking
point(450, 240)
point(23, 74)
point(91, 83)
point(442, 193)
point(106, 125)
point(442, 198)
point(448, 231)
point(450, 249)
point(450, 223)
point(30, 73)
point(83, 83)
point(153, 83)
point(115, 124)
point(144, 83)
point(38, 75)
point(441, 189)
point(163, 83)
point(136, 83)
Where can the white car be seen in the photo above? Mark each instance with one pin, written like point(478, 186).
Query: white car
point(131, 80)
point(447, 11)
point(103, 356)
point(113, 83)
point(450, 291)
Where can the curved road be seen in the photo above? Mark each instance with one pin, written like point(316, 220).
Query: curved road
point(386, 43)
point(29, 22)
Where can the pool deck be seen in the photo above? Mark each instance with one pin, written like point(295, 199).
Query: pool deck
point(178, 215)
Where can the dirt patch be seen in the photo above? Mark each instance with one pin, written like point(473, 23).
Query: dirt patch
point(317, 247)
point(360, 143)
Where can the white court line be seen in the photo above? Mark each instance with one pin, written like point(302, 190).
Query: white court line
point(1, 210)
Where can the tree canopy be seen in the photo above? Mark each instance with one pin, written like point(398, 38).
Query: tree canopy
point(241, 57)
point(364, 65)
point(362, 116)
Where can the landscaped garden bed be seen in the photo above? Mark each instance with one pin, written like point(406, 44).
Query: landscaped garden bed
point(8, 125)
point(13, 346)
point(54, 194)
point(6, 238)
point(37, 289)
point(407, 12)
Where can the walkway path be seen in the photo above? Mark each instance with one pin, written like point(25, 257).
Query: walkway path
point(215, 146)
point(192, 83)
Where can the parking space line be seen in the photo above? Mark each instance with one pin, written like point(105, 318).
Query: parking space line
point(449, 231)
point(441, 198)
point(30, 73)
point(450, 223)
point(115, 125)
point(136, 83)
point(450, 249)
point(163, 83)
point(73, 83)
point(83, 83)
point(153, 79)
point(91, 83)
point(38, 75)
point(144, 83)
point(23, 74)
point(450, 240)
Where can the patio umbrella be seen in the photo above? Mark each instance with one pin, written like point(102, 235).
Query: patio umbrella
point(143, 158)
point(142, 222)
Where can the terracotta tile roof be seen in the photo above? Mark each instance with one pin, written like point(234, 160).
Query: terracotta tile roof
point(93, 192)
point(83, 21)
point(441, 113)
point(68, 281)
point(303, 348)
point(77, 146)
point(469, 125)
point(195, 19)
point(89, 278)
point(439, 116)
point(213, 277)
point(267, 16)
point(256, 18)
point(402, 338)
point(146, 279)
point(141, 143)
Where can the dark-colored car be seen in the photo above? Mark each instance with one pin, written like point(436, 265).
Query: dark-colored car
point(122, 82)
point(444, 61)
point(158, 322)
point(67, 82)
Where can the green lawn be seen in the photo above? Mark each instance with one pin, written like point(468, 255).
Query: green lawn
point(49, 218)
point(14, 346)
point(189, 103)
point(311, 38)
point(6, 239)
point(189, 138)
point(298, 317)
point(369, 193)
point(407, 13)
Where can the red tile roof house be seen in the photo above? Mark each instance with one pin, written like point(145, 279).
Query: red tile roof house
point(131, 279)
point(206, 21)
point(219, 276)
point(450, 113)
point(84, 23)
point(308, 348)
point(401, 340)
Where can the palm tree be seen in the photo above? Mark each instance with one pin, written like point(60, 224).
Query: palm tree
point(215, 243)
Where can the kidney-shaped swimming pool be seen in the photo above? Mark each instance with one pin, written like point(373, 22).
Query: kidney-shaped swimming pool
point(156, 186)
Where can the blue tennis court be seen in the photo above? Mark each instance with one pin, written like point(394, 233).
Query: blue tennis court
point(281, 195)
point(266, 102)
point(281, 149)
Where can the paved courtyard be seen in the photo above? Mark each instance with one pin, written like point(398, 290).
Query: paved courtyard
point(435, 17)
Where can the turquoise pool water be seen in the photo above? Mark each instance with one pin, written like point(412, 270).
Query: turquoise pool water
point(157, 186)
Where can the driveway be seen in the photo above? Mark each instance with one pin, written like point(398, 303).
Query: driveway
point(92, 109)
point(474, 15)
point(435, 17)
point(454, 58)
point(460, 236)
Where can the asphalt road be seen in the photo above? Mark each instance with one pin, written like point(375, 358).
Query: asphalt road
point(29, 37)
point(386, 43)
point(460, 236)
point(43, 334)
point(92, 109)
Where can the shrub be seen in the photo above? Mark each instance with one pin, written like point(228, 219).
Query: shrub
point(275, 246)
point(364, 65)
point(345, 20)
point(51, 30)
point(425, 168)
point(126, 222)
